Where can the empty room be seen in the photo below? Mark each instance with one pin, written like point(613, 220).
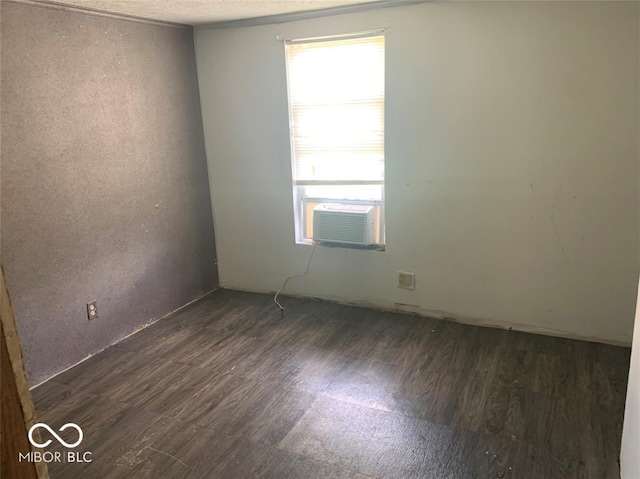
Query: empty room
point(299, 239)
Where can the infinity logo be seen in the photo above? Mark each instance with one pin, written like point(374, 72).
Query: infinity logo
point(60, 440)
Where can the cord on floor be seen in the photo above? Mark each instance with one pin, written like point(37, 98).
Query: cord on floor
point(275, 298)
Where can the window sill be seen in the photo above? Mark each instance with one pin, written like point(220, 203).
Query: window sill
point(329, 244)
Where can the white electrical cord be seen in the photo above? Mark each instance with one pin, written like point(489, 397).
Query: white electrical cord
point(275, 298)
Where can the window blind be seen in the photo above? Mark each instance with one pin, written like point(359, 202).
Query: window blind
point(336, 100)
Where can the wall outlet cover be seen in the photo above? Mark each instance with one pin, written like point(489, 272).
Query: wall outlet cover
point(406, 280)
point(92, 309)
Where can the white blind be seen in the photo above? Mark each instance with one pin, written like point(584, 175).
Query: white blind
point(336, 100)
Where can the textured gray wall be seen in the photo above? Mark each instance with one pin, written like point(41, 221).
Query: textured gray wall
point(104, 188)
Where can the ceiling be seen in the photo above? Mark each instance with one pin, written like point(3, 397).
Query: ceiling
point(195, 12)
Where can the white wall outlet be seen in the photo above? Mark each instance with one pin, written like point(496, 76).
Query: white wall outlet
point(92, 310)
point(406, 280)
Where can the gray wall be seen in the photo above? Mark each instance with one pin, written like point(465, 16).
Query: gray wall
point(629, 458)
point(104, 180)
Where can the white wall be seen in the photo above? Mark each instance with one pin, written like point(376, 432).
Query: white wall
point(629, 457)
point(511, 163)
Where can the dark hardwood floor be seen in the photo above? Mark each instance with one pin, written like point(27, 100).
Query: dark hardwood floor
point(228, 388)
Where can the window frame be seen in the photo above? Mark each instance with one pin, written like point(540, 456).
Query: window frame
point(299, 199)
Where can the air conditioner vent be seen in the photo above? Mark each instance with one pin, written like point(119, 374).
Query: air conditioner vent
point(349, 224)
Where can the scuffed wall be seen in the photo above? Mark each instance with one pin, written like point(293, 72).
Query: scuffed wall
point(511, 180)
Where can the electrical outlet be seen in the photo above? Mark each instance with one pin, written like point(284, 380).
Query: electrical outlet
point(92, 310)
point(406, 280)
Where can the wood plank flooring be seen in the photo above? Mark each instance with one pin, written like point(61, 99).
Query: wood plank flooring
point(228, 388)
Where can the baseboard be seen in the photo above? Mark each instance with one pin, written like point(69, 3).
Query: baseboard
point(446, 316)
point(137, 330)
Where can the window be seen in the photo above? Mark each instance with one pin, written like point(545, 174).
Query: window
point(336, 113)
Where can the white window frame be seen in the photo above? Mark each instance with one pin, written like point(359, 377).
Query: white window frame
point(299, 198)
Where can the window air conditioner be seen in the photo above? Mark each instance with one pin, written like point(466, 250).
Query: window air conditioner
point(349, 224)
